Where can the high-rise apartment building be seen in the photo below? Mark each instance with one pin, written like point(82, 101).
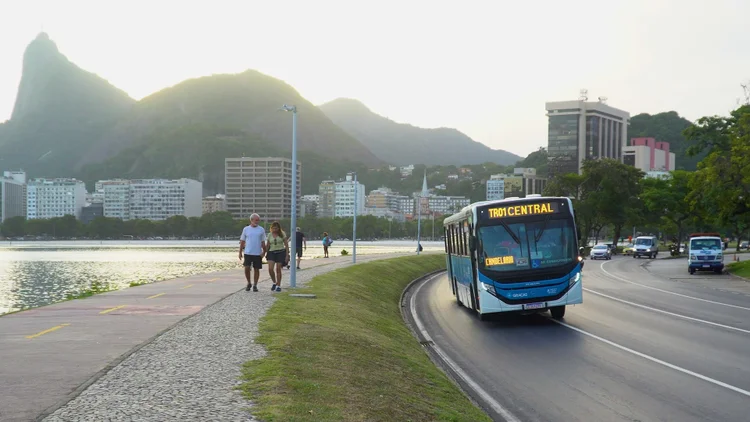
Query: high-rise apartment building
point(115, 197)
point(326, 198)
point(348, 195)
point(262, 186)
point(12, 195)
point(581, 130)
point(150, 199)
point(159, 199)
point(50, 198)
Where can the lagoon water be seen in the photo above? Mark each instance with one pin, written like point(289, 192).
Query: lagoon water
point(39, 273)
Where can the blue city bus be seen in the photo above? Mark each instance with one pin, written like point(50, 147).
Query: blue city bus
point(515, 254)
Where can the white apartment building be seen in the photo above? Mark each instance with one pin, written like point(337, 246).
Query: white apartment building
point(496, 187)
point(159, 199)
point(152, 199)
point(50, 198)
point(405, 204)
point(344, 197)
point(115, 195)
point(12, 195)
point(447, 205)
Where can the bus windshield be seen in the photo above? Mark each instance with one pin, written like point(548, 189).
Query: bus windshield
point(543, 244)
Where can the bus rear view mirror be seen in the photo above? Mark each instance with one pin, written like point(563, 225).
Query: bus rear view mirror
point(581, 250)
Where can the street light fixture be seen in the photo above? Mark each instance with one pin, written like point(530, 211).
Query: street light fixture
point(293, 228)
point(354, 224)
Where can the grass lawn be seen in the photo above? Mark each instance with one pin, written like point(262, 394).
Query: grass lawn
point(348, 356)
point(741, 269)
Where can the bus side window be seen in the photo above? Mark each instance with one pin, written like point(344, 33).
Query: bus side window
point(451, 245)
point(465, 238)
point(445, 241)
point(461, 239)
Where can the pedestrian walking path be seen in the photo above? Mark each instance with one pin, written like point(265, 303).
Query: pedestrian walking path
point(119, 356)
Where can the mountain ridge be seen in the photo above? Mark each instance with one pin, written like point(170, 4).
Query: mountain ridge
point(404, 143)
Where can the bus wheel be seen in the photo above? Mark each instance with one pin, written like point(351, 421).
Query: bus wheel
point(558, 312)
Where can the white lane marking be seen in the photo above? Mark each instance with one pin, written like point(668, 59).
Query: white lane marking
point(497, 407)
point(715, 324)
point(672, 293)
point(655, 360)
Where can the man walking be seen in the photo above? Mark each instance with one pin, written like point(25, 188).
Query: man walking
point(300, 240)
point(253, 245)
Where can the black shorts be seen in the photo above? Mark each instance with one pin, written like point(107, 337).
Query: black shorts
point(276, 256)
point(299, 252)
point(253, 261)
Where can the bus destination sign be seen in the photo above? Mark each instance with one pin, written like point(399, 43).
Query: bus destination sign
point(524, 209)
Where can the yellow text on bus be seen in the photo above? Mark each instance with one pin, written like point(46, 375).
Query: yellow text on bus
point(519, 210)
point(499, 260)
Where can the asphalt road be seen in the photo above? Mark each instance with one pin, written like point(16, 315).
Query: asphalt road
point(647, 344)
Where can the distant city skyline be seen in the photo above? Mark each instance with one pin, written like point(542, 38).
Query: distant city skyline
point(484, 68)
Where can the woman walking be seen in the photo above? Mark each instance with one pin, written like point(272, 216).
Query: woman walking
point(326, 243)
point(278, 249)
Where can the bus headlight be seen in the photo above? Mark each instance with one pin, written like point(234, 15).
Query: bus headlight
point(488, 287)
point(575, 279)
point(719, 257)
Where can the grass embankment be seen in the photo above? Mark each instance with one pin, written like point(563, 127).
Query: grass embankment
point(348, 356)
point(741, 269)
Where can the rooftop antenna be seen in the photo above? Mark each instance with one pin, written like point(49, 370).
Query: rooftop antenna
point(603, 100)
point(584, 95)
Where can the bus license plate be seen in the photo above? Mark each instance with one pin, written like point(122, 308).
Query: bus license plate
point(539, 305)
point(706, 266)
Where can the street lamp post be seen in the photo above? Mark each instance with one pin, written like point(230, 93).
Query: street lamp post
point(293, 228)
point(419, 220)
point(354, 224)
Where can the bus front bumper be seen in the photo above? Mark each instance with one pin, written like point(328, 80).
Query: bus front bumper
point(491, 304)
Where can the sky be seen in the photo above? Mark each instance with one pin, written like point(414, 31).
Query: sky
point(484, 67)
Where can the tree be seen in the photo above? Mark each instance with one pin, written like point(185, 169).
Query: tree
point(14, 227)
point(612, 191)
point(722, 182)
point(669, 199)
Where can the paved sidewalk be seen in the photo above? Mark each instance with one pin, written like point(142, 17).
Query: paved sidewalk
point(51, 354)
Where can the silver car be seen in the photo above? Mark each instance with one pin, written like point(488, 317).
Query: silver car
point(600, 252)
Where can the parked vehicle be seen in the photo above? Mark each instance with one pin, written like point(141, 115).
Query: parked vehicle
point(628, 249)
point(706, 253)
point(601, 252)
point(647, 246)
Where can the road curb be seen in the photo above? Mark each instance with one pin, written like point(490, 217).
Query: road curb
point(435, 356)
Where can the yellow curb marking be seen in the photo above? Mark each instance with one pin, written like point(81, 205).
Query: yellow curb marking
point(112, 309)
point(41, 333)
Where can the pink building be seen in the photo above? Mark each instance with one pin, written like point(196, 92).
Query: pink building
point(648, 155)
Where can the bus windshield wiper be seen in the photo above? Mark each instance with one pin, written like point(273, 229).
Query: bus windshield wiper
point(541, 232)
point(510, 232)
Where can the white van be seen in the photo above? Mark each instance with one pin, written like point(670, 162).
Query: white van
point(706, 253)
point(645, 246)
